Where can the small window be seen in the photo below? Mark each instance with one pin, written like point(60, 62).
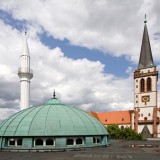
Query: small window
point(12, 142)
point(19, 142)
point(70, 141)
point(136, 101)
point(136, 86)
point(149, 84)
point(122, 127)
point(142, 83)
point(136, 96)
point(141, 115)
point(149, 114)
point(122, 119)
point(137, 80)
point(49, 142)
point(138, 115)
point(96, 139)
point(79, 141)
point(39, 142)
point(145, 118)
point(106, 120)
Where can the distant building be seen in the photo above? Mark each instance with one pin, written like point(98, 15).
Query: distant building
point(145, 118)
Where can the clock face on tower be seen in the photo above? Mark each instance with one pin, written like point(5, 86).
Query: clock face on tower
point(146, 98)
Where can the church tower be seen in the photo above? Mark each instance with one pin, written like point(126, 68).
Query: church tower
point(25, 74)
point(145, 91)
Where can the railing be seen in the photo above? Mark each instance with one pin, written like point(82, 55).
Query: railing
point(25, 70)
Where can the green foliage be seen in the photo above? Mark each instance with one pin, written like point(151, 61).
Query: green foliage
point(127, 133)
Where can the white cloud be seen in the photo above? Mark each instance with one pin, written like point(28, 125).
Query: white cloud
point(104, 25)
point(81, 83)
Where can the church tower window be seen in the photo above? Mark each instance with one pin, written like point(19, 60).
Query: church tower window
point(142, 84)
point(149, 84)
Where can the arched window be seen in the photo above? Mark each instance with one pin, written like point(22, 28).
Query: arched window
point(96, 139)
point(79, 141)
point(142, 84)
point(12, 142)
point(19, 142)
point(149, 84)
point(70, 141)
point(49, 142)
point(39, 142)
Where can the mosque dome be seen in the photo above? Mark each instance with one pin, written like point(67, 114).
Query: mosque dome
point(52, 126)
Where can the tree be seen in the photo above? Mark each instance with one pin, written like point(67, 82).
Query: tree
point(127, 133)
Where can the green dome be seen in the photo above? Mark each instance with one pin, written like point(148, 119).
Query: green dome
point(52, 119)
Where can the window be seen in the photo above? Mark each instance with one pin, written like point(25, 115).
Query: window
point(145, 118)
point(136, 96)
point(79, 141)
point(75, 141)
point(142, 85)
point(15, 141)
point(39, 142)
point(149, 84)
point(19, 142)
point(141, 115)
point(12, 142)
point(49, 142)
point(122, 127)
point(149, 114)
point(96, 139)
point(70, 141)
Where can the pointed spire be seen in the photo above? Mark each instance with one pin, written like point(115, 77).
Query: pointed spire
point(25, 50)
point(145, 59)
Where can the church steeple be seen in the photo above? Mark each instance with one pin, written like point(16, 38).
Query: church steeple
point(145, 60)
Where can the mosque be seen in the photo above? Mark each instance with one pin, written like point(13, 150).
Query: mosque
point(51, 126)
point(145, 117)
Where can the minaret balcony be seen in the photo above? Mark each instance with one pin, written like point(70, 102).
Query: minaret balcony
point(25, 71)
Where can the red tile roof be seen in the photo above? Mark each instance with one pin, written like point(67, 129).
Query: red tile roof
point(117, 117)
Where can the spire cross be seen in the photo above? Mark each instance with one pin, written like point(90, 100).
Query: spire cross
point(145, 19)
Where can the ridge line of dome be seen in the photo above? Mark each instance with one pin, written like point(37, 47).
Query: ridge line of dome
point(31, 109)
point(34, 117)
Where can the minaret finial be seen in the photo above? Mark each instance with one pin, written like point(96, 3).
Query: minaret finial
point(145, 19)
point(54, 94)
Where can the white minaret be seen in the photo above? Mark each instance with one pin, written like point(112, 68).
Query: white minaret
point(25, 74)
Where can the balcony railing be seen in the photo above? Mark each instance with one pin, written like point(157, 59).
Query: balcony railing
point(25, 70)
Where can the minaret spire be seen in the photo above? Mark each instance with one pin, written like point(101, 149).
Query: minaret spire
point(25, 74)
point(146, 59)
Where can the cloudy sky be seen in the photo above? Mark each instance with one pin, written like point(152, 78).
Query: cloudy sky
point(86, 50)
